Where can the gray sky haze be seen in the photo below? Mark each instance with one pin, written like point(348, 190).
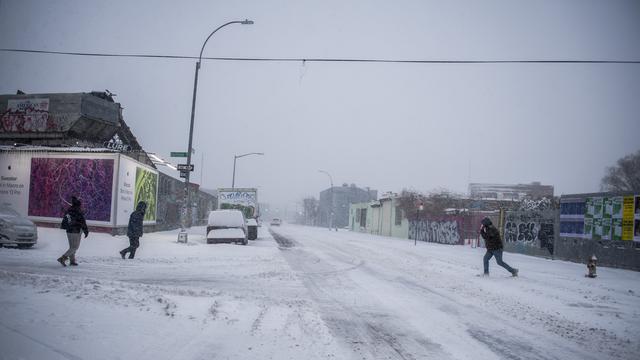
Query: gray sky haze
point(387, 126)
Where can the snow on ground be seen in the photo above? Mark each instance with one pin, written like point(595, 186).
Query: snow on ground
point(313, 294)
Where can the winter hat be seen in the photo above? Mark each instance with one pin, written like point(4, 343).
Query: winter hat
point(142, 206)
point(75, 201)
point(486, 221)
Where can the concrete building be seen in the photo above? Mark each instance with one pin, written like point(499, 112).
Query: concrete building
point(338, 199)
point(518, 192)
point(53, 146)
point(381, 217)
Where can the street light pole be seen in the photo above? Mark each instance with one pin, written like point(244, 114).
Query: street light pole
point(236, 157)
point(186, 211)
point(331, 206)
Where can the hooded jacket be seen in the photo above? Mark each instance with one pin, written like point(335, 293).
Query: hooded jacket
point(135, 228)
point(73, 220)
point(491, 235)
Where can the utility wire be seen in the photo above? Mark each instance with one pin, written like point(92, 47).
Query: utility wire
point(364, 60)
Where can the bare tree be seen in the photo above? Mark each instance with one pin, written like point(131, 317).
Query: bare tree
point(624, 176)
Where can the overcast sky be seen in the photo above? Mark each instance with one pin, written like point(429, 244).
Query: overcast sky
point(385, 126)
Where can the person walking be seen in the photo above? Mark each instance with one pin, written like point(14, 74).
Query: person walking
point(73, 222)
point(134, 230)
point(494, 246)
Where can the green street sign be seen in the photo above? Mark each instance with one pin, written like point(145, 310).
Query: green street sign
point(179, 154)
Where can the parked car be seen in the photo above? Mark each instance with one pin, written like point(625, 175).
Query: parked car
point(252, 229)
point(276, 222)
point(16, 229)
point(226, 226)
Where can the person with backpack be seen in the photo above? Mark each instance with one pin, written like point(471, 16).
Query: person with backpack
point(135, 230)
point(494, 246)
point(74, 223)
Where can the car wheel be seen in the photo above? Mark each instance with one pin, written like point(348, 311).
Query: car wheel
point(25, 246)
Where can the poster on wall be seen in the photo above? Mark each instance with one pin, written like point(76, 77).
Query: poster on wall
point(616, 229)
point(55, 180)
point(14, 181)
point(572, 218)
point(627, 218)
point(636, 232)
point(146, 190)
point(135, 182)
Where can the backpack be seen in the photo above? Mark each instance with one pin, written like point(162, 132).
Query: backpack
point(66, 221)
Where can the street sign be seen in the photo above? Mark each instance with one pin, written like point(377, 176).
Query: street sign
point(183, 174)
point(178, 154)
point(183, 167)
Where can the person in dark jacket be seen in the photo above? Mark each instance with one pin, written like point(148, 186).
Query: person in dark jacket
point(134, 230)
point(73, 222)
point(494, 246)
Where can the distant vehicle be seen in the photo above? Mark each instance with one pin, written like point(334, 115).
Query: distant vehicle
point(16, 229)
point(226, 226)
point(276, 222)
point(252, 229)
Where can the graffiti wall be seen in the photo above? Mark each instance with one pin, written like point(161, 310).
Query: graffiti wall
point(534, 229)
point(55, 180)
point(27, 115)
point(443, 231)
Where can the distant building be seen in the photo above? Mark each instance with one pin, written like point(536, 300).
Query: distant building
point(518, 192)
point(343, 197)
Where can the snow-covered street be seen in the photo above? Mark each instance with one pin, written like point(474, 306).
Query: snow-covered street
point(307, 294)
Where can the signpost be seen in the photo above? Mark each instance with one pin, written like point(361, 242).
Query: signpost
point(183, 174)
point(178, 154)
point(183, 167)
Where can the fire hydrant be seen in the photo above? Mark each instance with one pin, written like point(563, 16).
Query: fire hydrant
point(591, 266)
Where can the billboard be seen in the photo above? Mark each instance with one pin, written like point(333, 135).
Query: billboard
point(136, 182)
point(55, 180)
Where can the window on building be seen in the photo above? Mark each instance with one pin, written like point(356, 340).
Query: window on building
point(398, 215)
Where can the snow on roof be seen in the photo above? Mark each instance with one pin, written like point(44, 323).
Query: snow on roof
point(35, 148)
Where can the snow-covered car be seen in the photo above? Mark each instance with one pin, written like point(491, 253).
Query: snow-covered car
point(252, 229)
point(276, 222)
point(226, 226)
point(16, 229)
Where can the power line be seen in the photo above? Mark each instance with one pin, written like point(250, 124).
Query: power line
point(362, 60)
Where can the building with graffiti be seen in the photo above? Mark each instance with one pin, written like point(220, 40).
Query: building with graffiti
point(54, 146)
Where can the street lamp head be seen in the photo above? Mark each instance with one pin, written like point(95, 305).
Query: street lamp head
point(246, 22)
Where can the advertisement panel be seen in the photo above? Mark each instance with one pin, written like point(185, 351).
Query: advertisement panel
point(147, 190)
point(54, 180)
point(135, 182)
point(14, 181)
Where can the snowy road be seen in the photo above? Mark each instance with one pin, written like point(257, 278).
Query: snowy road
point(389, 299)
point(312, 294)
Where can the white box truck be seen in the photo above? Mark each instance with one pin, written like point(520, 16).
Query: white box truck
point(245, 200)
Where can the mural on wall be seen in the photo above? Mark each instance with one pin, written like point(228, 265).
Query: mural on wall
point(55, 180)
point(146, 190)
point(530, 228)
point(443, 232)
point(27, 115)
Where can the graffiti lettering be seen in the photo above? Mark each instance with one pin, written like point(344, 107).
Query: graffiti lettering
point(443, 232)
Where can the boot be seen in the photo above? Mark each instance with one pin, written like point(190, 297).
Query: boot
point(62, 259)
point(73, 261)
point(514, 273)
point(123, 253)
